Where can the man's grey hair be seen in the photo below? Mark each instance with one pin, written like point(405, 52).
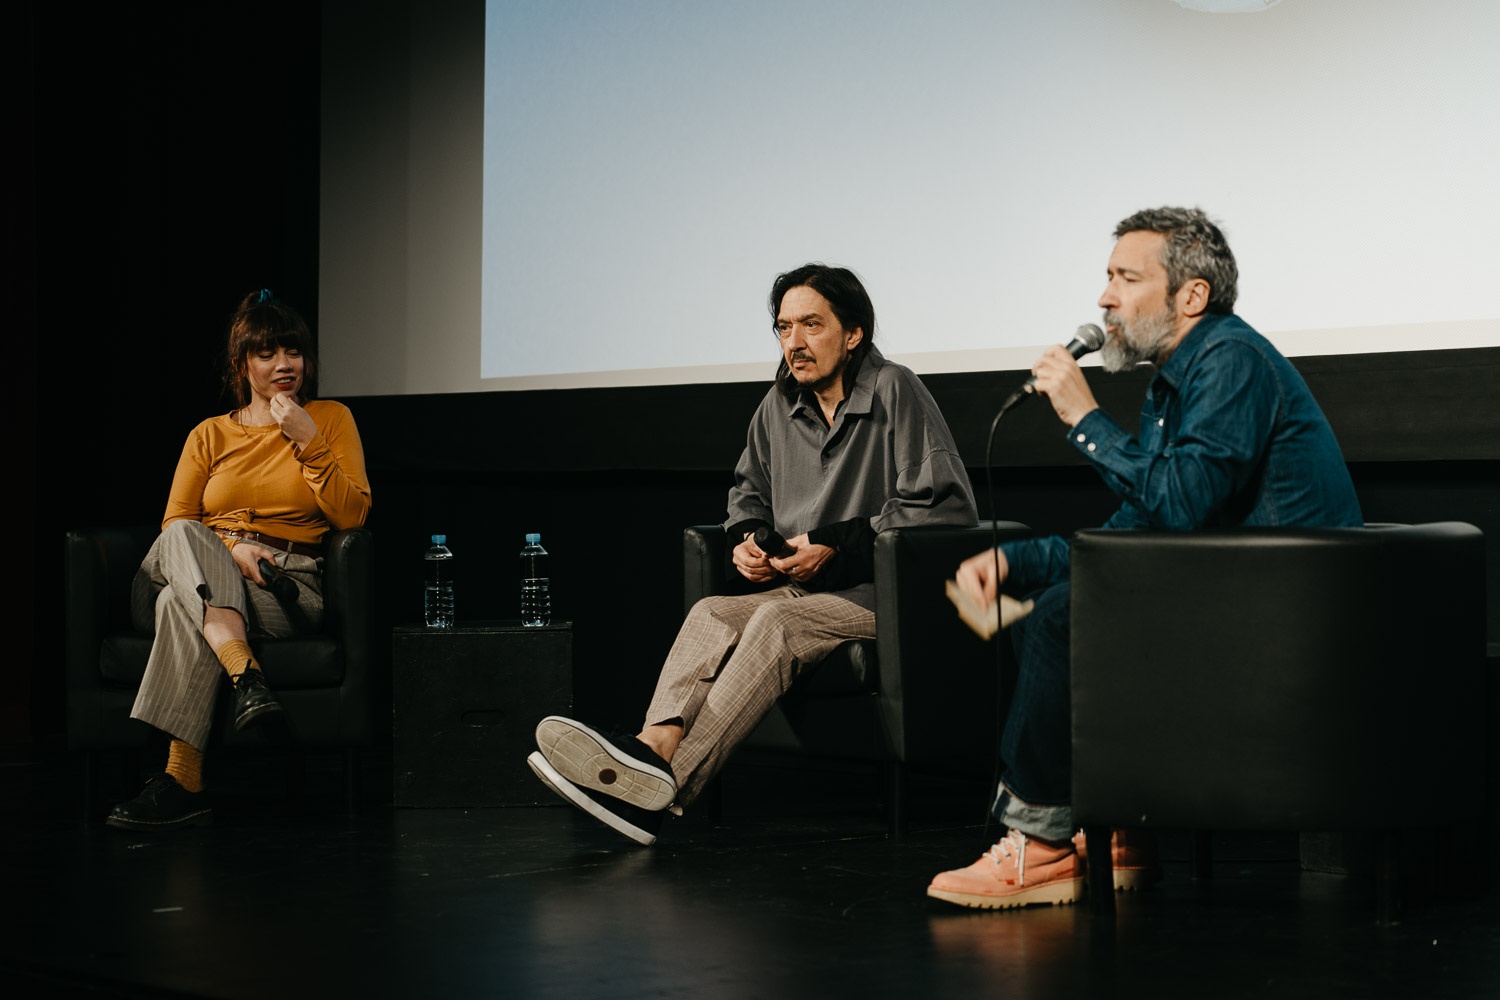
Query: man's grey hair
point(1195, 248)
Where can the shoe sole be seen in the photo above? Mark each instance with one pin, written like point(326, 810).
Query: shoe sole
point(570, 793)
point(1131, 879)
point(1135, 879)
point(255, 715)
point(204, 817)
point(1054, 894)
point(589, 760)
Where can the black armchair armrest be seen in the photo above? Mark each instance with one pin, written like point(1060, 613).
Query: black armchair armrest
point(98, 566)
point(704, 554)
point(348, 609)
point(938, 680)
point(348, 559)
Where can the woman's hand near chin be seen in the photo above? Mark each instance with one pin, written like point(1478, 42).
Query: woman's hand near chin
point(294, 421)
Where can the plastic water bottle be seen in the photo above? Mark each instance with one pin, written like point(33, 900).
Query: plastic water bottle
point(536, 597)
point(438, 598)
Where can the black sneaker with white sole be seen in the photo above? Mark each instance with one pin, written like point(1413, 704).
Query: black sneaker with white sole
point(637, 824)
point(615, 764)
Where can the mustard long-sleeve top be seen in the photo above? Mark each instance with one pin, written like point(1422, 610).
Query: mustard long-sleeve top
point(255, 479)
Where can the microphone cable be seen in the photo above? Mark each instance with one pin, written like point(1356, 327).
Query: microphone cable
point(1086, 340)
point(1000, 701)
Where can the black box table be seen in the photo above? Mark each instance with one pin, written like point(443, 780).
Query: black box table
point(465, 703)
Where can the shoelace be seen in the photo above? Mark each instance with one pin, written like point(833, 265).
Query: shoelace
point(158, 785)
point(1012, 845)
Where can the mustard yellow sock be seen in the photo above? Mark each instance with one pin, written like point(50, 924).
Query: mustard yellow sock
point(185, 763)
point(236, 657)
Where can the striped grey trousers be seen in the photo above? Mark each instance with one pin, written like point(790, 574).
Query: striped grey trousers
point(187, 568)
point(732, 659)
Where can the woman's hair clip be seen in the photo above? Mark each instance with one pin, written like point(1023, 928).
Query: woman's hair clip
point(266, 295)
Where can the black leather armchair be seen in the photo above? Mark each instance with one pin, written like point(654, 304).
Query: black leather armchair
point(1293, 680)
point(924, 692)
point(324, 680)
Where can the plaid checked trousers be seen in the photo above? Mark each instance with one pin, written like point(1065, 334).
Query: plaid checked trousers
point(732, 659)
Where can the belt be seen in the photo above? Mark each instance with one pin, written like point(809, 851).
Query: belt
point(272, 542)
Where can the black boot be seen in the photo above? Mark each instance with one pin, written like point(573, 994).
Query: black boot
point(252, 698)
point(162, 805)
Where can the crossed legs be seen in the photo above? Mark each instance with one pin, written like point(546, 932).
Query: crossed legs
point(732, 659)
point(191, 594)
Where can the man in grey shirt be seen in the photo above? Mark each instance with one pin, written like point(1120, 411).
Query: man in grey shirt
point(844, 445)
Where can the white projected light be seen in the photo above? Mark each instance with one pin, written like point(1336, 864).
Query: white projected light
point(648, 168)
point(967, 160)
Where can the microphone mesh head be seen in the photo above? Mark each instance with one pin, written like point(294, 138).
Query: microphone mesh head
point(1090, 335)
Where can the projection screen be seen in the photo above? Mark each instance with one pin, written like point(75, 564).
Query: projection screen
point(521, 195)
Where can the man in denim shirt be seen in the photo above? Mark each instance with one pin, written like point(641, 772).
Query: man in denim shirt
point(1229, 436)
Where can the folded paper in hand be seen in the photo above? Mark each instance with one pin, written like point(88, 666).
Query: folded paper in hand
point(986, 620)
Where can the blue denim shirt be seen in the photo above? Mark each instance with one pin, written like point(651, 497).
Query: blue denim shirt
point(1230, 436)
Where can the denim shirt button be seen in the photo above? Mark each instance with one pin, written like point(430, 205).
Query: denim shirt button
point(1161, 421)
point(1092, 446)
point(1082, 438)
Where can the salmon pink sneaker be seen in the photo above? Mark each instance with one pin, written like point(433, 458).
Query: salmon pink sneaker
point(1132, 857)
point(1017, 871)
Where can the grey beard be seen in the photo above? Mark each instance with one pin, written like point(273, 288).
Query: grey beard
point(1145, 340)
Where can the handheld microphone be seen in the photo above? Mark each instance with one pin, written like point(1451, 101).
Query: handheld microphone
point(277, 582)
point(1088, 339)
point(771, 543)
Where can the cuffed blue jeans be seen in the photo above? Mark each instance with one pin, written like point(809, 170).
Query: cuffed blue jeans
point(1037, 744)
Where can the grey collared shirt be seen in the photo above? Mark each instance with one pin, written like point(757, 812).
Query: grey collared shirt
point(888, 456)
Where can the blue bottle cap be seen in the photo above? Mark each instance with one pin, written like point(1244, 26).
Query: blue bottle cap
point(439, 539)
point(533, 538)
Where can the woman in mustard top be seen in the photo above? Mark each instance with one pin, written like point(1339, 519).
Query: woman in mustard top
point(264, 482)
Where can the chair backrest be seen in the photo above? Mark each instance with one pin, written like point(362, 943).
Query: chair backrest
point(1278, 679)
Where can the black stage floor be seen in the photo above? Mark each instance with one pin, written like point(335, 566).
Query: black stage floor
point(794, 891)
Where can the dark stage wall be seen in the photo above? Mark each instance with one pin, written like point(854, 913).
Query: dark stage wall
point(175, 156)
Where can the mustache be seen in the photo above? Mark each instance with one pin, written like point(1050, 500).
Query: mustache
point(800, 356)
